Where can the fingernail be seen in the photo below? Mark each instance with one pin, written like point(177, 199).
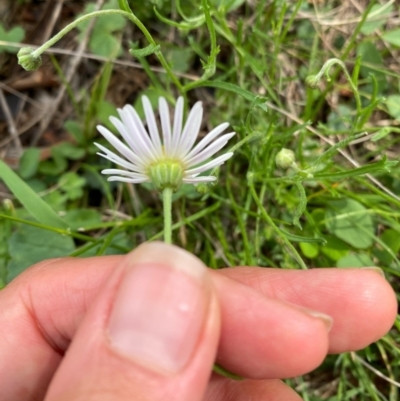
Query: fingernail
point(326, 319)
point(375, 269)
point(160, 307)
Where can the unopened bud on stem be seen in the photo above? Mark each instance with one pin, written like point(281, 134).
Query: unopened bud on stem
point(312, 81)
point(28, 60)
point(285, 158)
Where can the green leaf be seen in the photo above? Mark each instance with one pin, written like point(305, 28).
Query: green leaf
point(104, 111)
point(376, 18)
point(301, 206)
point(15, 35)
point(355, 260)
point(72, 184)
point(380, 134)
point(102, 41)
point(29, 163)
point(84, 25)
point(111, 23)
point(310, 251)
point(57, 200)
point(350, 221)
point(372, 63)
point(53, 168)
point(180, 59)
point(334, 248)
point(29, 245)
point(390, 238)
point(82, 218)
point(29, 199)
point(392, 37)
point(393, 105)
point(70, 151)
point(105, 45)
point(57, 165)
point(75, 129)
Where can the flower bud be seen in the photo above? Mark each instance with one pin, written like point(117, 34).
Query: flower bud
point(285, 158)
point(203, 188)
point(8, 206)
point(27, 60)
point(312, 81)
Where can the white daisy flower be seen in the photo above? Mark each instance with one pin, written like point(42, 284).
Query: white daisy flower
point(167, 160)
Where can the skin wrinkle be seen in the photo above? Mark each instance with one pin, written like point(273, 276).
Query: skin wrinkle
point(30, 388)
point(85, 286)
point(57, 340)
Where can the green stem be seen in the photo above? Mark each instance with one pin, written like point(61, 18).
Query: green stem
point(211, 65)
point(132, 17)
point(277, 230)
point(167, 201)
point(325, 71)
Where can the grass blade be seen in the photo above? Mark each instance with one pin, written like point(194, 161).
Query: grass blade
point(30, 199)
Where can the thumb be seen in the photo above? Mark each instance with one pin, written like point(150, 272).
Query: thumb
point(152, 333)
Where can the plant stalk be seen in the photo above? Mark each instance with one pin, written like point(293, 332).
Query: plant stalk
point(167, 203)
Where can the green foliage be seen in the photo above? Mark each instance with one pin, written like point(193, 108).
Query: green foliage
point(372, 63)
point(393, 105)
point(15, 35)
point(72, 185)
point(29, 163)
point(376, 18)
point(29, 245)
point(355, 260)
point(392, 37)
point(228, 5)
point(104, 38)
point(349, 220)
point(82, 219)
point(32, 202)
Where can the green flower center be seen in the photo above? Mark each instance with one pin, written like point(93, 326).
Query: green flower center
point(166, 174)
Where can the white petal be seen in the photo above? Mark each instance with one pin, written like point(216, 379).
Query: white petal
point(119, 161)
point(126, 179)
point(135, 140)
point(207, 139)
point(135, 126)
point(213, 163)
point(191, 130)
point(122, 164)
point(123, 173)
point(177, 130)
point(118, 145)
point(152, 124)
point(203, 178)
point(209, 151)
point(128, 138)
point(165, 124)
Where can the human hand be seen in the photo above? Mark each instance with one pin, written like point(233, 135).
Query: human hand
point(149, 326)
